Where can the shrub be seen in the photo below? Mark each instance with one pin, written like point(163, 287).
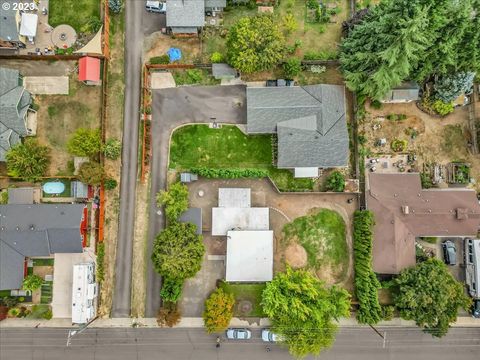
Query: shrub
point(289, 23)
point(217, 57)
point(320, 55)
point(160, 60)
point(175, 200)
point(387, 312)
point(168, 315)
point(93, 25)
point(376, 104)
point(312, 4)
point(335, 182)
point(426, 181)
point(29, 160)
point(115, 6)
point(366, 283)
point(395, 117)
point(230, 173)
point(442, 108)
point(112, 149)
point(4, 197)
point(292, 67)
point(32, 282)
point(85, 142)
point(100, 261)
point(218, 311)
point(13, 312)
point(110, 184)
point(195, 75)
point(399, 145)
point(318, 69)
point(91, 173)
point(171, 289)
point(9, 301)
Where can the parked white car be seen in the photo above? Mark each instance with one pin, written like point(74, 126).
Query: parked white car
point(269, 336)
point(238, 334)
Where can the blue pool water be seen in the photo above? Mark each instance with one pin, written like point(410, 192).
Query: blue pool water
point(53, 187)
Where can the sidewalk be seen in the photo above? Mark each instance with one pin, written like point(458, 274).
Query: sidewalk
point(198, 323)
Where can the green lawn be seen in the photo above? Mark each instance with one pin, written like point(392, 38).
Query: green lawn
point(246, 292)
point(323, 237)
point(75, 13)
point(227, 147)
point(194, 76)
point(43, 262)
point(4, 293)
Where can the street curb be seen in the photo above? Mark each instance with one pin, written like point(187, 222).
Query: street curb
point(196, 322)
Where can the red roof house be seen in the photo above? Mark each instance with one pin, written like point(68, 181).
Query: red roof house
point(89, 70)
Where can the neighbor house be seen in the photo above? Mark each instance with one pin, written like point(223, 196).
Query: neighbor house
point(404, 211)
point(185, 16)
point(10, 26)
point(308, 121)
point(36, 231)
point(15, 104)
point(249, 238)
point(404, 93)
point(215, 6)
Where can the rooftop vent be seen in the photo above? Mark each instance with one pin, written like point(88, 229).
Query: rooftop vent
point(405, 209)
point(462, 213)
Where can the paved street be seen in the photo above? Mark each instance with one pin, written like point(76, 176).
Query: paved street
point(171, 108)
point(165, 344)
point(138, 23)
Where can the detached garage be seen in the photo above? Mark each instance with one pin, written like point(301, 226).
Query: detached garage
point(249, 256)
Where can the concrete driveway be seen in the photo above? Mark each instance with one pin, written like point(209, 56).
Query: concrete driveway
point(46, 85)
point(458, 270)
point(170, 109)
point(62, 282)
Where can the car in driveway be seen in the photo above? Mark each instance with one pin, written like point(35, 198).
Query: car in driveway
point(238, 334)
point(449, 253)
point(269, 336)
point(156, 6)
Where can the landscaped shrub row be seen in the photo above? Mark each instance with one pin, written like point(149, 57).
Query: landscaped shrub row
point(366, 283)
point(100, 261)
point(230, 173)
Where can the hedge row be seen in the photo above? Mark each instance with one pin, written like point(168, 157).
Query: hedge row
point(100, 261)
point(366, 282)
point(230, 173)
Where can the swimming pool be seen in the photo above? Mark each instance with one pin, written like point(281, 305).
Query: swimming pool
point(53, 187)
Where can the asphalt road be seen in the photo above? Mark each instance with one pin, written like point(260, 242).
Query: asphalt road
point(170, 344)
point(172, 108)
point(138, 23)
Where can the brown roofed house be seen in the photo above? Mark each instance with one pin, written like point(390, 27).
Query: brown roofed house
point(404, 211)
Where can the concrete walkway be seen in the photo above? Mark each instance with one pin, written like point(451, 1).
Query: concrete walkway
point(197, 322)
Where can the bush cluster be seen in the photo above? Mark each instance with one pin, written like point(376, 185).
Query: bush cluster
point(230, 173)
point(100, 262)
point(160, 60)
point(366, 282)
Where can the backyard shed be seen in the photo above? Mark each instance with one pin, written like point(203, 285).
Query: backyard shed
point(79, 190)
point(223, 71)
point(89, 70)
point(249, 256)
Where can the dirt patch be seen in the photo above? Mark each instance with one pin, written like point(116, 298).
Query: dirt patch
point(59, 116)
point(296, 256)
point(158, 44)
point(439, 140)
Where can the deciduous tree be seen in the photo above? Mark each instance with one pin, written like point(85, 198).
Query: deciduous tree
point(178, 251)
point(28, 161)
point(218, 311)
point(32, 282)
point(91, 173)
point(175, 200)
point(302, 308)
point(85, 142)
point(429, 295)
point(255, 44)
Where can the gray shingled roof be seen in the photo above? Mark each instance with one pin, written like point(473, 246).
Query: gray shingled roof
point(193, 216)
point(310, 123)
point(407, 91)
point(38, 230)
point(23, 195)
point(8, 27)
point(221, 71)
point(14, 104)
point(185, 13)
point(11, 264)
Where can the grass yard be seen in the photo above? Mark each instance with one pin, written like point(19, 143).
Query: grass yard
point(314, 37)
point(43, 262)
point(323, 237)
point(59, 116)
point(75, 13)
point(194, 76)
point(228, 147)
point(251, 293)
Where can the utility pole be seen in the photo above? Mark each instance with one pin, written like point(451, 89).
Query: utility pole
point(383, 336)
point(81, 328)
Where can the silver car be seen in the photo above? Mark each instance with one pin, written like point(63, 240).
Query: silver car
point(269, 336)
point(238, 334)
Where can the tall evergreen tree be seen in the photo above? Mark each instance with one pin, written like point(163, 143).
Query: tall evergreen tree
point(381, 51)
